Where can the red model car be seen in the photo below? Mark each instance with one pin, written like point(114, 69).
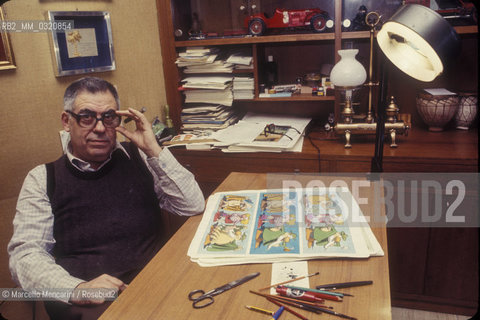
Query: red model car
point(450, 9)
point(315, 18)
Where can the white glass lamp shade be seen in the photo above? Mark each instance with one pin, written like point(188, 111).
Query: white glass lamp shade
point(348, 72)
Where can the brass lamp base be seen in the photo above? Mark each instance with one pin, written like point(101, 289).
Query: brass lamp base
point(370, 128)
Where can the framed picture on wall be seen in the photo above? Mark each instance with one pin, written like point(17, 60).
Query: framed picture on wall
point(6, 54)
point(85, 45)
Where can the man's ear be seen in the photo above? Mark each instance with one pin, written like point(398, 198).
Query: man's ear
point(66, 121)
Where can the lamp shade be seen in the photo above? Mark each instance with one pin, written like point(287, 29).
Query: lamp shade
point(418, 41)
point(348, 72)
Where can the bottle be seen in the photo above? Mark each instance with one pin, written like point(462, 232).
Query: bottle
point(169, 128)
point(271, 72)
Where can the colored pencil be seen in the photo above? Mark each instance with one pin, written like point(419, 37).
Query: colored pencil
point(287, 309)
point(260, 310)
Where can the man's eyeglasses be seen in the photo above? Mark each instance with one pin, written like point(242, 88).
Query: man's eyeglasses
point(88, 119)
point(280, 130)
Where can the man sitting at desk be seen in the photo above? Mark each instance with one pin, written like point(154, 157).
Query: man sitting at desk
point(91, 219)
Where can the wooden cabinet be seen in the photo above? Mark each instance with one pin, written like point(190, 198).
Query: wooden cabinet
point(428, 269)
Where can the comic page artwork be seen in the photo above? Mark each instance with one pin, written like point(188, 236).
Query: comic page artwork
point(262, 226)
point(229, 228)
point(276, 226)
point(326, 227)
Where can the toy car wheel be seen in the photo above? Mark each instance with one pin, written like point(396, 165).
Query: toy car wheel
point(318, 22)
point(256, 27)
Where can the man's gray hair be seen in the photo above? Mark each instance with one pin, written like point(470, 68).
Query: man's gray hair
point(88, 84)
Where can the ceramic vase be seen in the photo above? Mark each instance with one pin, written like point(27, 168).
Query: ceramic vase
point(466, 112)
point(437, 111)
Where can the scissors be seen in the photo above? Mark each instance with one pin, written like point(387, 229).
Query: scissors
point(201, 299)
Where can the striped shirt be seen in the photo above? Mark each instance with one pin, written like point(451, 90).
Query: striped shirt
point(31, 261)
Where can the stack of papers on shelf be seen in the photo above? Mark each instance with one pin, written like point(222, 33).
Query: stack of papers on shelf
point(217, 90)
point(240, 59)
point(200, 86)
point(207, 117)
point(196, 56)
point(243, 88)
point(264, 226)
point(213, 60)
point(224, 97)
point(219, 82)
point(214, 67)
point(249, 134)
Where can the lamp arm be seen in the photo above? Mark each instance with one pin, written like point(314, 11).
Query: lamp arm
point(377, 160)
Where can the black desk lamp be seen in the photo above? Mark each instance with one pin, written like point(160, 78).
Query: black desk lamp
point(418, 41)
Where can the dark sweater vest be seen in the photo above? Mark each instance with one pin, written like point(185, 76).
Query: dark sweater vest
point(106, 221)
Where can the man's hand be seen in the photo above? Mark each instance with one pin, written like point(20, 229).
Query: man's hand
point(83, 295)
point(143, 137)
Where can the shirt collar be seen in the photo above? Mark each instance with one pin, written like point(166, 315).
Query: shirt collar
point(85, 166)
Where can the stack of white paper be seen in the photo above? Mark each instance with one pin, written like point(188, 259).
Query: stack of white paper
point(218, 82)
point(243, 88)
point(218, 66)
point(211, 117)
point(285, 133)
point(196, 56)
point(264, 226)
point(224, 97)
point(216, 90)
point(239, 58)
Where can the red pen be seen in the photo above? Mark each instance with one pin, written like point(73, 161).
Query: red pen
point(302, 295)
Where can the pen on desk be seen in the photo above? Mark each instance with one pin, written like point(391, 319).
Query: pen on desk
point(298, 315)
point(334, 286)
point(288, 281)
point(260, 310)
point(335, 313)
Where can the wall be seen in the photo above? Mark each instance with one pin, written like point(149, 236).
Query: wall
point(31, 96)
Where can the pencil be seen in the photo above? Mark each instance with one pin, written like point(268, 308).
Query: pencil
point(300, 305)
point(288, 281)
point(287, 309)
point(338, 314)
point(260, 310)
point(316, 309)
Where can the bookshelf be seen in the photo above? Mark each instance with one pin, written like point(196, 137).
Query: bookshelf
point(421, 277)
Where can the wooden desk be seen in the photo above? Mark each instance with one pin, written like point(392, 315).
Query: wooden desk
point(160, 290)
